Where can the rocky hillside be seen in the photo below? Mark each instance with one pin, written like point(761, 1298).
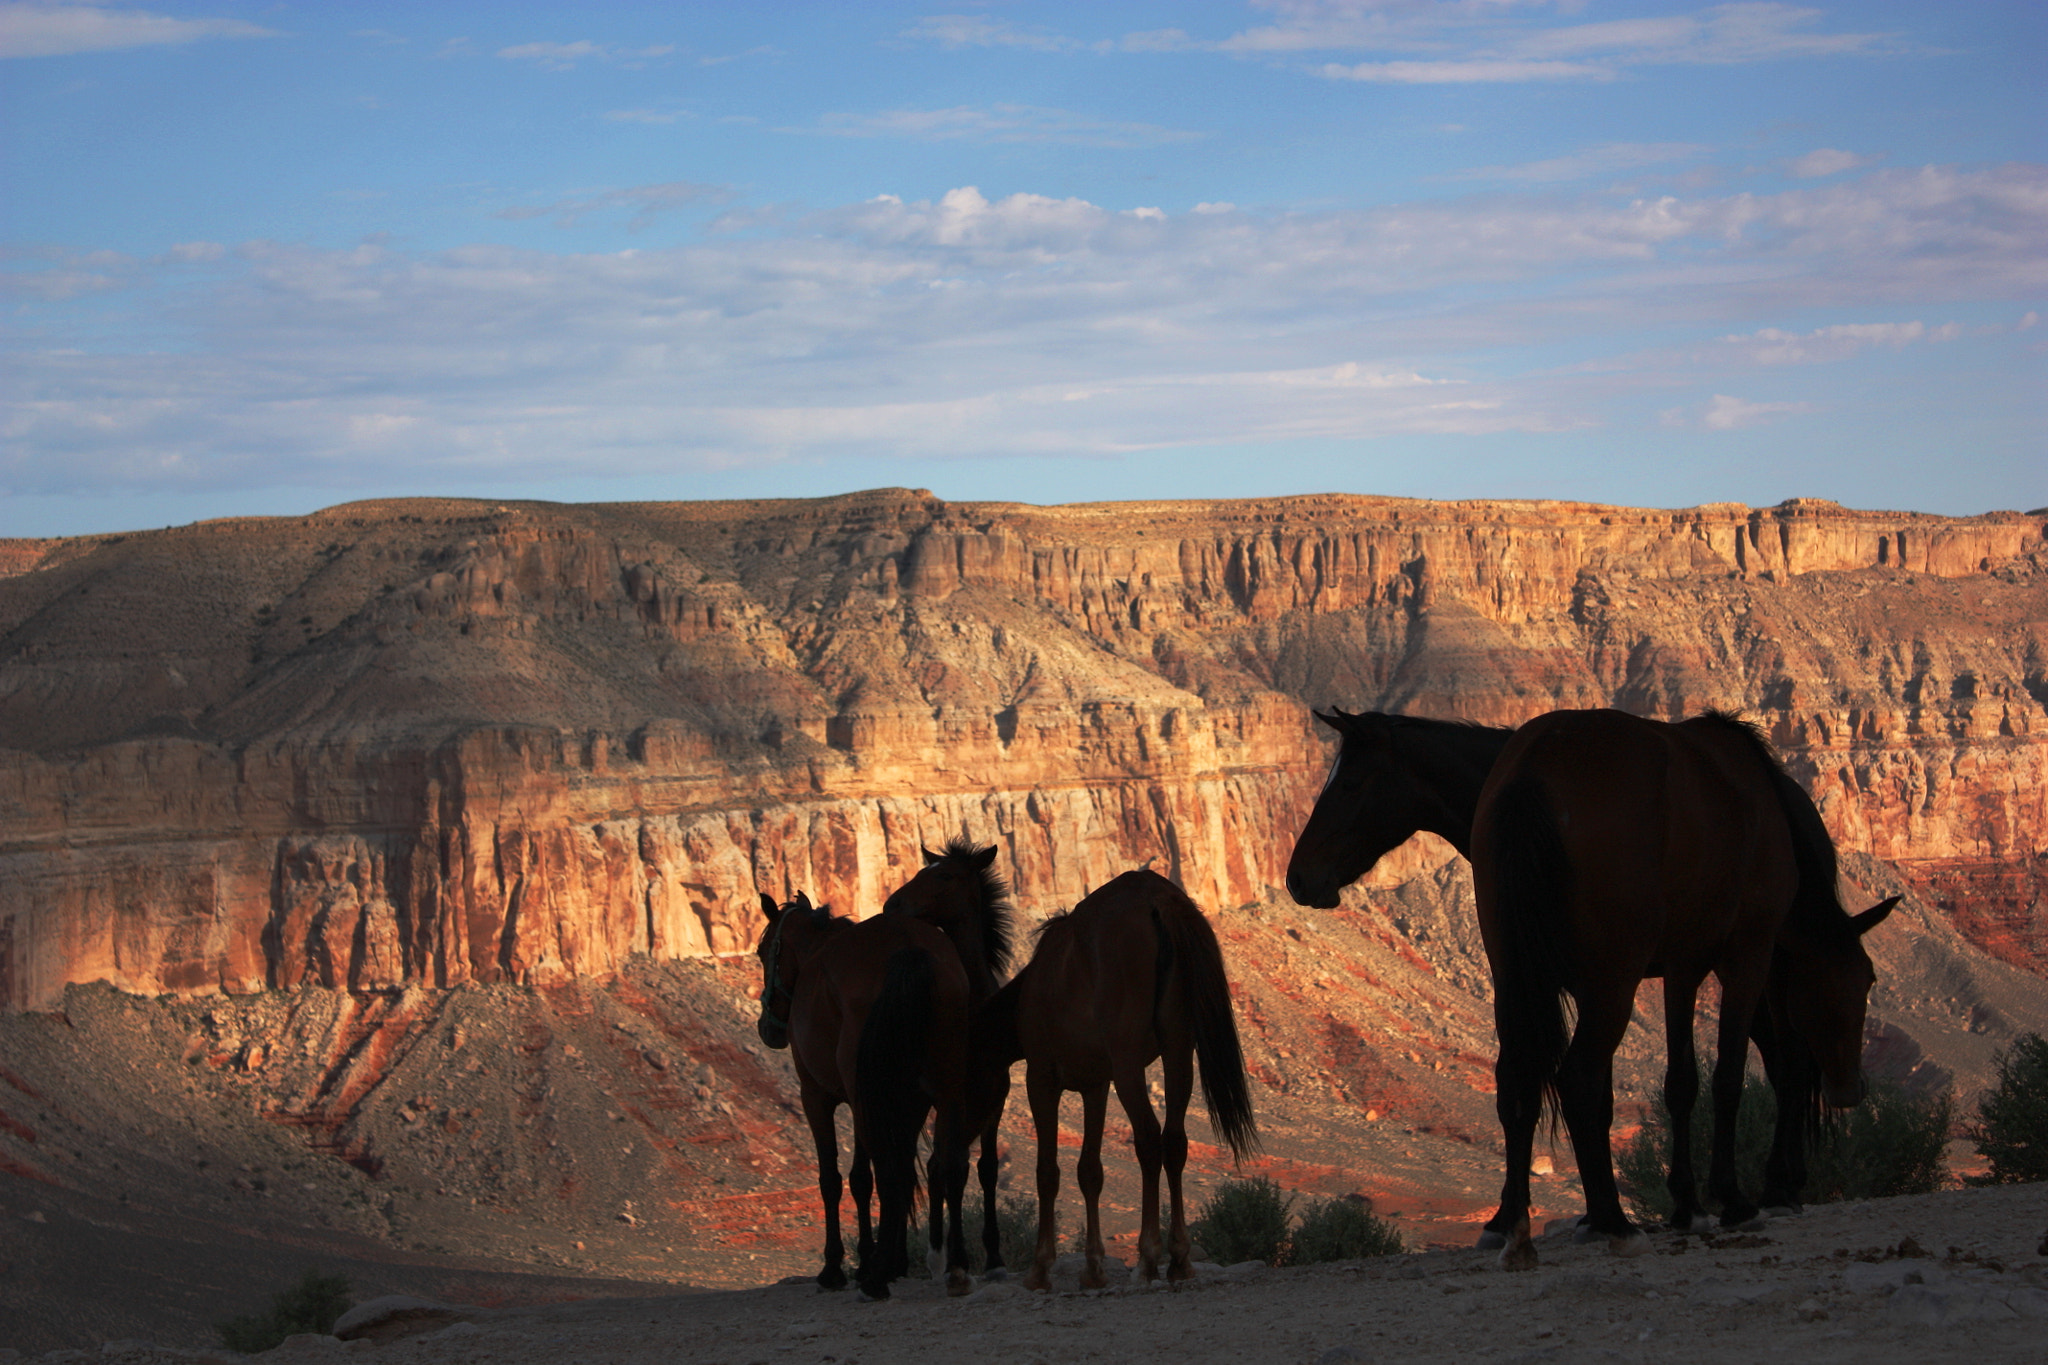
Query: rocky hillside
point(437, 742)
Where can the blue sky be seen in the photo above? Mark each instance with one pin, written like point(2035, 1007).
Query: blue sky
point(265, 257)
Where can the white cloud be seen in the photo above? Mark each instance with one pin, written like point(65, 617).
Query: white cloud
point(1824, 161)
point(1724, 413)
point(64, 29)
point(1000, 123)
point(972, 325)
point(977, 30)
point(1477, 41)
point(1473, 72)
point(564, 56)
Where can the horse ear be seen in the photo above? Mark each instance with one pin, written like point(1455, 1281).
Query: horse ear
point(803, 902)
point(984, 858)
point(1874, 916)
point(768, 906)
point(1334, 718)
point(929, 856)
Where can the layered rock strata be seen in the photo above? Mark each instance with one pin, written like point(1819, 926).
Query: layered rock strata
point(436, 742)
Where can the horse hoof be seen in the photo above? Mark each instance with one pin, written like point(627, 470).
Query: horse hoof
point(1519, 1255)
point(1785, 1211)
point(1180, 1271)
point(1038, 1282)
point(874, 1293)
point(1094, 1279)
point(832, 1277)
point(1489, 1240)
point(1634, 1244)
point(996, 1274)
point(958, 1283)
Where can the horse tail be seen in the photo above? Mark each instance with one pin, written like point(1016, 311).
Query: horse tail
point(889, 1064)
point(1188, 944)
point(1532, 880)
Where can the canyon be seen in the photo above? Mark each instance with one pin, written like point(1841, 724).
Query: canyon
point(441, 742)
point(394, 863)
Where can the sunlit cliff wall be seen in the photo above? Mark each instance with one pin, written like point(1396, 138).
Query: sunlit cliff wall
point(447, 741)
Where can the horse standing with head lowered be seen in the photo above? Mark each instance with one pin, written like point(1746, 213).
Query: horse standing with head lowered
point(1131, 974)
point(1395, 775)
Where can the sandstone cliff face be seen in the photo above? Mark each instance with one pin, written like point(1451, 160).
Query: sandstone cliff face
point(437, 742)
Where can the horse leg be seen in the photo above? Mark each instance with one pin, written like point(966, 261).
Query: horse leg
point(1585, 1089)
point(950, 1141)
point(1785, 1168)
point(1042, 1092)
point(818, 1110)
point(861, 1180)
point(1179, 1066)
point(1132, 1093)
point(1681, 1093)
point(1088, 1175)
point(1518, 1100)
point(989, 1168)
point(1738, 1008)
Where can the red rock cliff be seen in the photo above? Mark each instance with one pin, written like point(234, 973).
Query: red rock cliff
point(445, 741)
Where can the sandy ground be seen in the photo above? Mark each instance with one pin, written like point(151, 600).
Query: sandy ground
point(1956, 1276)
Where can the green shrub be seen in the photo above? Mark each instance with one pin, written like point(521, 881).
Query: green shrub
point(1340, 1230)
point(1246, 1220)
point(2011, 1131)
point(1891, 1143)
point(1016, 1225)
point(312, 1305)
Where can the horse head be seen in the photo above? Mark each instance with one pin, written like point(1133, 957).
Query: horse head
point(1366, 809)
point(783, 946)
point(1824, 980)
point(959, 892)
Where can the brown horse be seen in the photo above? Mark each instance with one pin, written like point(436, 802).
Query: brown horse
point(875, 1016)
point(1131, 974)
point(1395, 775)
point(959, 892)
point(1608, 848)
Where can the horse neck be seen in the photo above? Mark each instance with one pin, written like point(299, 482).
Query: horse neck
point(1450, 763)
point(994, 1030)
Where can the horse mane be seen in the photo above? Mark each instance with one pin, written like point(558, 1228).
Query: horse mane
point(1818, 905)
point(998, 915)
point(819, 915)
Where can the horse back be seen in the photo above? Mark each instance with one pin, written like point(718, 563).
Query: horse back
point(841, 983)
point(1673, 833)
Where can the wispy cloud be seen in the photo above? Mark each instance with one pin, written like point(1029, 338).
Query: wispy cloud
point(1825, 161)
point(1477, 72)
point(980, 30)
point(56, 29)
point(987, 326)
point(646, 201)
point(1614, 158)
point(564, 56)
point(1000, 123)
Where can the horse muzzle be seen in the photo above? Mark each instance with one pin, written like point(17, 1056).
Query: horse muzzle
point(1847, 1094)
point(775, 1035)
point(1315, 898)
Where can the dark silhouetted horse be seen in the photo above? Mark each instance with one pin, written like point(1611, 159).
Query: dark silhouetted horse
point(1395, 775)
point(1131, 974)
point(959, 891)
point(1608, 848)
point(875, 1016)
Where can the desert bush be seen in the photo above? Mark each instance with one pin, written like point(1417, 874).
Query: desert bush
point(2011, 1131)
point(312, 1305)
point(1246, 1220)
point(1016, 1226)
point(1892, 1143)
point(1340, 1230)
